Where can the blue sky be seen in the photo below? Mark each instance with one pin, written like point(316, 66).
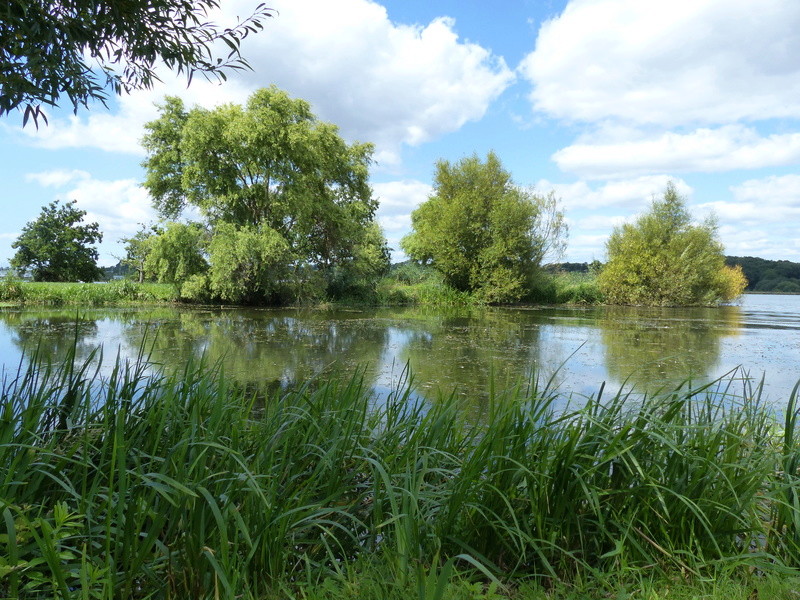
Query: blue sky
point(602, 101)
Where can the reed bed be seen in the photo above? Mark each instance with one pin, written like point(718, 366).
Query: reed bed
point(15, 291)
point(144, 484)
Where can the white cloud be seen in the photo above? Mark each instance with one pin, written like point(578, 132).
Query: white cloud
point(603, 222)
point(122, 130)
point(381, 82)
point(668, 62)
point(629, 193)
point(400, 197)
point(586, 247)
point(703, 150)
point(773, 201)
point(397, 200)
point(57, 177)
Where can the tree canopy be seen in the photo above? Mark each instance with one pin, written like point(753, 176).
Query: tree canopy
point(57, 246)
point(664, 260)
point(482, 232)
point(765, 275)
point(283, 196)
point(79, 48)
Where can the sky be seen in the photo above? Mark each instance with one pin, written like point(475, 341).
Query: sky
point(601, 101)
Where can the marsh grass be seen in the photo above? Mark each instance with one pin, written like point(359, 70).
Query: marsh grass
point(15, 291)
point(142, 484)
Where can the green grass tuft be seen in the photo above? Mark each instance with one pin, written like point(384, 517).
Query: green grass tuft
point(143, 484)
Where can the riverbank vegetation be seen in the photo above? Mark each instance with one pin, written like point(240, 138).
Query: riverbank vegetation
point(17, 292)
point(286, 211)
point(663, 259)
point(138, 485)
point(484, 234)
point(781, 276)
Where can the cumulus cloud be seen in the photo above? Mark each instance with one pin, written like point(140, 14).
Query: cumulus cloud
point(381, 82)
point(400, 197)
point(668, 62)
point(703, 150)
point(631, 193)
point(57, 177)
point(746, 212)
point(122, 130)
point(397, 200)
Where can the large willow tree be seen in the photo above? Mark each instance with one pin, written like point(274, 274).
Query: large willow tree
point(283, 188)
point(486, 235)
point(663, 259)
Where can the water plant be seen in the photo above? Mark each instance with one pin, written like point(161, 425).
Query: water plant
point(145, 484)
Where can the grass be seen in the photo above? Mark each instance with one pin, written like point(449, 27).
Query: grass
point(124, 292)
point(413, 284)
point(144, 484)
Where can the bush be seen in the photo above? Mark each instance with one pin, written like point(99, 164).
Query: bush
point(196, 289)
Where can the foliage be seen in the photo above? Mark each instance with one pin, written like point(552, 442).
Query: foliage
point(483, 233)
point(411, 283)
point(184, 486)
point(88, 294)
point(355, 279)
point(81, 47)
point(664, 260)
point(768, 275)
point(57, 247)
point(251, 264)
point(575, 287)
point(269, 167)
point(137, 247)
point(176, 253)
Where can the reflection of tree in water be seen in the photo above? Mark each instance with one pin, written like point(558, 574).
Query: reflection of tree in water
point(468, 351)
point(52, 333)
point(653, 348)
point(263, 347)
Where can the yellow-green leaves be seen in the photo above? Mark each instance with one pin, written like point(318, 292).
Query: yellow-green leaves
point(664, 260)
point(483, 233)
point(286, 201)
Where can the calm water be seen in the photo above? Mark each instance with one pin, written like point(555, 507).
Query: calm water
point(447, 350)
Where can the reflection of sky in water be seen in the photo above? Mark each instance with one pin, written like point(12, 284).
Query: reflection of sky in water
point(578, 348)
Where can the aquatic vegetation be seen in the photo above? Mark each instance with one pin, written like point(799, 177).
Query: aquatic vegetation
point(84, 294)
point(145, 484)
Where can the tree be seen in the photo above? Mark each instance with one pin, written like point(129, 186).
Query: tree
point(78, 48)
point(56, 247)
point(251, 264)
point(663, 259)
point(137, 247)
point(176, 254)
point(268, 168)
point(482, 232)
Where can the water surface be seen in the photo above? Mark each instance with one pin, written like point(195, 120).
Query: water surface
point(577, 348)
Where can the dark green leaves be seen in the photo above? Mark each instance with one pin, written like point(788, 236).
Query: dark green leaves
point(57, 246)
point(80, 48)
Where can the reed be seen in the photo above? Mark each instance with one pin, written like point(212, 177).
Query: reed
point(147, 484)
point(121, 292)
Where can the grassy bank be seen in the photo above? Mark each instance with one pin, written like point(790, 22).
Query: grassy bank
point(17, 292)
point(413, 284)
point(186, 486)
point(407, 285)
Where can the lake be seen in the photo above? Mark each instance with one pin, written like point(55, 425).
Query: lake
point(459, 351)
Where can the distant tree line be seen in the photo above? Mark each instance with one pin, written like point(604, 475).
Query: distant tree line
point(768, 275)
